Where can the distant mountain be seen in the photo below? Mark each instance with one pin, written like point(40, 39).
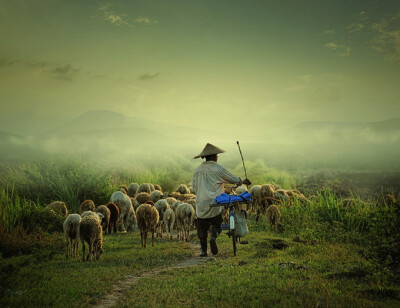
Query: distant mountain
point(353, 132)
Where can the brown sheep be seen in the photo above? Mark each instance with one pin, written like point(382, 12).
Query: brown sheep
point(147, 218)
point(175, 195)
point(157, 187)
point(124, 189)
point(182, 189)
point(59, 208)
point(87, 205)
point(105, 222)
point(143, 197)
point(90, 231)
point(114, 215)
point(273, 217)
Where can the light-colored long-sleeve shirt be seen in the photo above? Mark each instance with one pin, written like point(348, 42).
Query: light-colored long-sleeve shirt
point(208, 182)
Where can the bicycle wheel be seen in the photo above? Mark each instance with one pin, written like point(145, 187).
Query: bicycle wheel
point(234, 241)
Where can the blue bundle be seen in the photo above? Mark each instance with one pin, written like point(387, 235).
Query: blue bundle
point(225, 198)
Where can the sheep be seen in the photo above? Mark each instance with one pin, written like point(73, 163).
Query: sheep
point(282, 195)
point(114, 215)
point(174, 205)
point(135, 204)
point(161, 206)
point(125, 206)
point(98, 216)
point(90, 231)
point(186, 197)
point(151, 187)
point(133, 187)
point(87, 205)
point(124, 189)
point(184, 216)
point(273, 217)
point(143, 188)
point(58, 207)
point(175, 195)
point(191, 190)
point(169, 221)
point(240, 189)
point(170, 200)
point(182, 189)
point(156, 195)
point(157, 187)
point(71, 232)
point(147, 218)
point(266, 198)
point(106, 213)
point(255, 197)
point(131, 221)
point(143, 197)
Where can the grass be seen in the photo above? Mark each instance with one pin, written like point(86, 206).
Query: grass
point(349, 253)
point(47, 278)
point(263, 276)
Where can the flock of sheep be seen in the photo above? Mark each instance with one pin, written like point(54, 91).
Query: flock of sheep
point(147, 208)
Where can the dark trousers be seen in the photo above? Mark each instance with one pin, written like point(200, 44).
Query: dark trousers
point(204, 224)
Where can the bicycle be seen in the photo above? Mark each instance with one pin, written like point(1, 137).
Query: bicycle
point(232, 230)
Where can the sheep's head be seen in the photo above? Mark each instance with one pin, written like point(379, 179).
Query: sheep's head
point(99, 250)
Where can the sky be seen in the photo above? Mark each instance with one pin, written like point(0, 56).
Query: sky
point(253, 66)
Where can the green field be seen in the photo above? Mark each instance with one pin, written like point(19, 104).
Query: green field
point(333, 256)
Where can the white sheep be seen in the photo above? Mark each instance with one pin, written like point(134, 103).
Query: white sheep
point(90, 231)
point(133, 187)
point(161, 206)
point(98, 216)
point(156, 195)
point(240, 189)
point(131, 221)
point(169, 221)
point(184, 217)
point(125, 207)
point(71, 232)
point(144, 187)
point(255, 196)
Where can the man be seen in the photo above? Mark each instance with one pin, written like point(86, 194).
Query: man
point(208, 182)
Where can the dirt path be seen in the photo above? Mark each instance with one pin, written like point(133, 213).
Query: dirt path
point(119, 289)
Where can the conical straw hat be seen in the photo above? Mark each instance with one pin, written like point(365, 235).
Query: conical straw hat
point(210, 149)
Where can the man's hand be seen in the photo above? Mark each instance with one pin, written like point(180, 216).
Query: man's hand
point(247, 182)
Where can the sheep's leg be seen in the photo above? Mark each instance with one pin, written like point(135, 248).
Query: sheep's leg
point(89, 256)
point(83, 251)
point(67, 248)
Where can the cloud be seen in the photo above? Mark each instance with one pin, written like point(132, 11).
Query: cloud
point(64, 72)
point(7, 62)
point(341, 50)
point(387, 38)
point(112, 17)
point(123, 20)
point(146, 21)
point(355, 27)
point(303, 82)
point(146, 77)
